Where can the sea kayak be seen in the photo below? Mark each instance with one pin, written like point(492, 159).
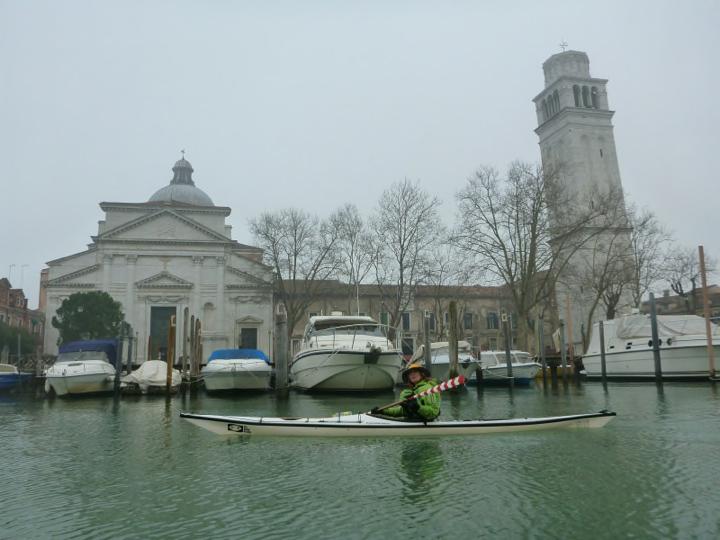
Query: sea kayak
point(366, 425)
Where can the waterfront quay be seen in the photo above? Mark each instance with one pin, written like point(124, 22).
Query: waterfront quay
point(106, 467)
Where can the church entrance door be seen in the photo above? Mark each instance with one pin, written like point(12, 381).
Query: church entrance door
point(159, 331)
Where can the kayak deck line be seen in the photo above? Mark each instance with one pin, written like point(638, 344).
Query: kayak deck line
point(365, 424)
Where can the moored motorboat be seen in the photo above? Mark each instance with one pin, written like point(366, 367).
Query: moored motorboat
point(366, 425)
point(629, 347)
point(11, 377)
point(150, 378)
point(345, 353)
point(440, 359)
point(83, 367)
point(237, 369)
point(494, 367)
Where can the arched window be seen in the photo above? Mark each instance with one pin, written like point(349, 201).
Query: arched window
point(576, 94)
point(556, 101)
point(586, 96)
point(594, 96)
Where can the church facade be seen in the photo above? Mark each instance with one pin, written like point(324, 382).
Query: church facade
point(159, 257)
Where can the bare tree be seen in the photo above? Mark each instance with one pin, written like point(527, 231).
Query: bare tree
point(353, 250)
point(405, 230)
point(648, 239)
point(448, 274)
point(300, 249)
point(682, 272)
point(507, 224)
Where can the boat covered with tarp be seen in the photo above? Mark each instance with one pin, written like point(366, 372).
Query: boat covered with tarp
point(368, 425)
point(237, 369)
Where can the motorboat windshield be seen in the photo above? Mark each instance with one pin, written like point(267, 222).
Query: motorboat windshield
point(81, 356)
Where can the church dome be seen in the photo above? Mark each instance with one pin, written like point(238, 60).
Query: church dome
point(182, 188)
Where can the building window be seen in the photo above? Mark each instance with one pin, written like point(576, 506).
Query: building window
point(384, 319)
point(556, 101)
point(594, 97)
point(431, 322)
point(576, 94)
point(248, 338)
point(406, 320)
point(492, 320)
point(468, 321)
point(586, 96)
point(408, 346)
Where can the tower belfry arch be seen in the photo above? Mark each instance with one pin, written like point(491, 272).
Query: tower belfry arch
point(577, 144)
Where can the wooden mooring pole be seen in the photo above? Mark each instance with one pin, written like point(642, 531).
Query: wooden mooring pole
point(508, 357)
point(541, 345)
point(453, 340)
point(281, 353)
point(170, 354)
point(563, 352)
point(706, 314)
point(426, 337)
point(603, 367)
point(655, 339)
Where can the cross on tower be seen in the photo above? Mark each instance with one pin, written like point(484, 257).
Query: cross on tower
point(563, 45)
point(183, 153)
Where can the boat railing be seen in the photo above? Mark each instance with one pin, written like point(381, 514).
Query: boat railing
point(351, 330)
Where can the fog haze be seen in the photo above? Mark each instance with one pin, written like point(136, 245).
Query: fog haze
point(315, 104)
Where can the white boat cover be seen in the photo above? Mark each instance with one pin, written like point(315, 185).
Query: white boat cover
point(638, 326)
point(152, 373)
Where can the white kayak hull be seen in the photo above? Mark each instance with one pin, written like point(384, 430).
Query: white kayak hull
point(364, 425)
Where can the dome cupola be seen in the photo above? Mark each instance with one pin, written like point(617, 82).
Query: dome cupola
point(182, 189)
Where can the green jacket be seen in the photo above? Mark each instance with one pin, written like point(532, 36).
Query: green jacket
point(429, 405)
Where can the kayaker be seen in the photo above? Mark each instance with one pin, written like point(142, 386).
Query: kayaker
point(424, 409)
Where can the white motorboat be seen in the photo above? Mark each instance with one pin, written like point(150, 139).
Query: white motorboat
point(494, 367)
point(345, 353)
point(150, 378)
point(440, 359)
point(237, 369)
point(629, 348)
point(366, 425)
point(83, 367)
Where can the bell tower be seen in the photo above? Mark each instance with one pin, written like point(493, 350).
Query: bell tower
point(577, 143)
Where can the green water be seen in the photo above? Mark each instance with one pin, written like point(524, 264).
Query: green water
point(131, 468)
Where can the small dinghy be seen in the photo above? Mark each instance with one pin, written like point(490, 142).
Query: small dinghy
point(366, 425)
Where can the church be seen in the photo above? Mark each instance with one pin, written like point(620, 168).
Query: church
point(157, 258)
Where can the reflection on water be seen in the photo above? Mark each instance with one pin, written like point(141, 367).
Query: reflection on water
point(421, 461)
point(129, 468)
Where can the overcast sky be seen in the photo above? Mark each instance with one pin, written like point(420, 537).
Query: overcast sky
point(315, 104)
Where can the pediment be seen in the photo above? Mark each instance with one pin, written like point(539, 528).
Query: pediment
point(82, 278)
point(236, 278)
point(163, 280)
point(163, 225)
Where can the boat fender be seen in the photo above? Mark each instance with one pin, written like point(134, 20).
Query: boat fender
point(669, 341)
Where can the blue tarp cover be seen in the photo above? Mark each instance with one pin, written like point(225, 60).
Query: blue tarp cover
point(225, 354)
point(108, 346)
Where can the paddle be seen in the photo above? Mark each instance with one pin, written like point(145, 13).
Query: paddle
point(445, 385)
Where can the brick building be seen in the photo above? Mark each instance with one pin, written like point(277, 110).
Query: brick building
point(14, 310)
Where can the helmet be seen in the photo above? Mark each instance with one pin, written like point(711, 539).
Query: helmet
point(413, 367)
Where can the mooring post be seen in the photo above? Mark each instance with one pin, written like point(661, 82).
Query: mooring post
point(706, 313)
point(453, 344)
point(186, 315)
point(563, 352)
point(508, 358)
point(130, 348)
point(655, 339)
point(170, 354)
point(541, 345)
point(570, 337)
point(281, 353)
point(603, 369)
point(118, 357)
point(426, 331)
